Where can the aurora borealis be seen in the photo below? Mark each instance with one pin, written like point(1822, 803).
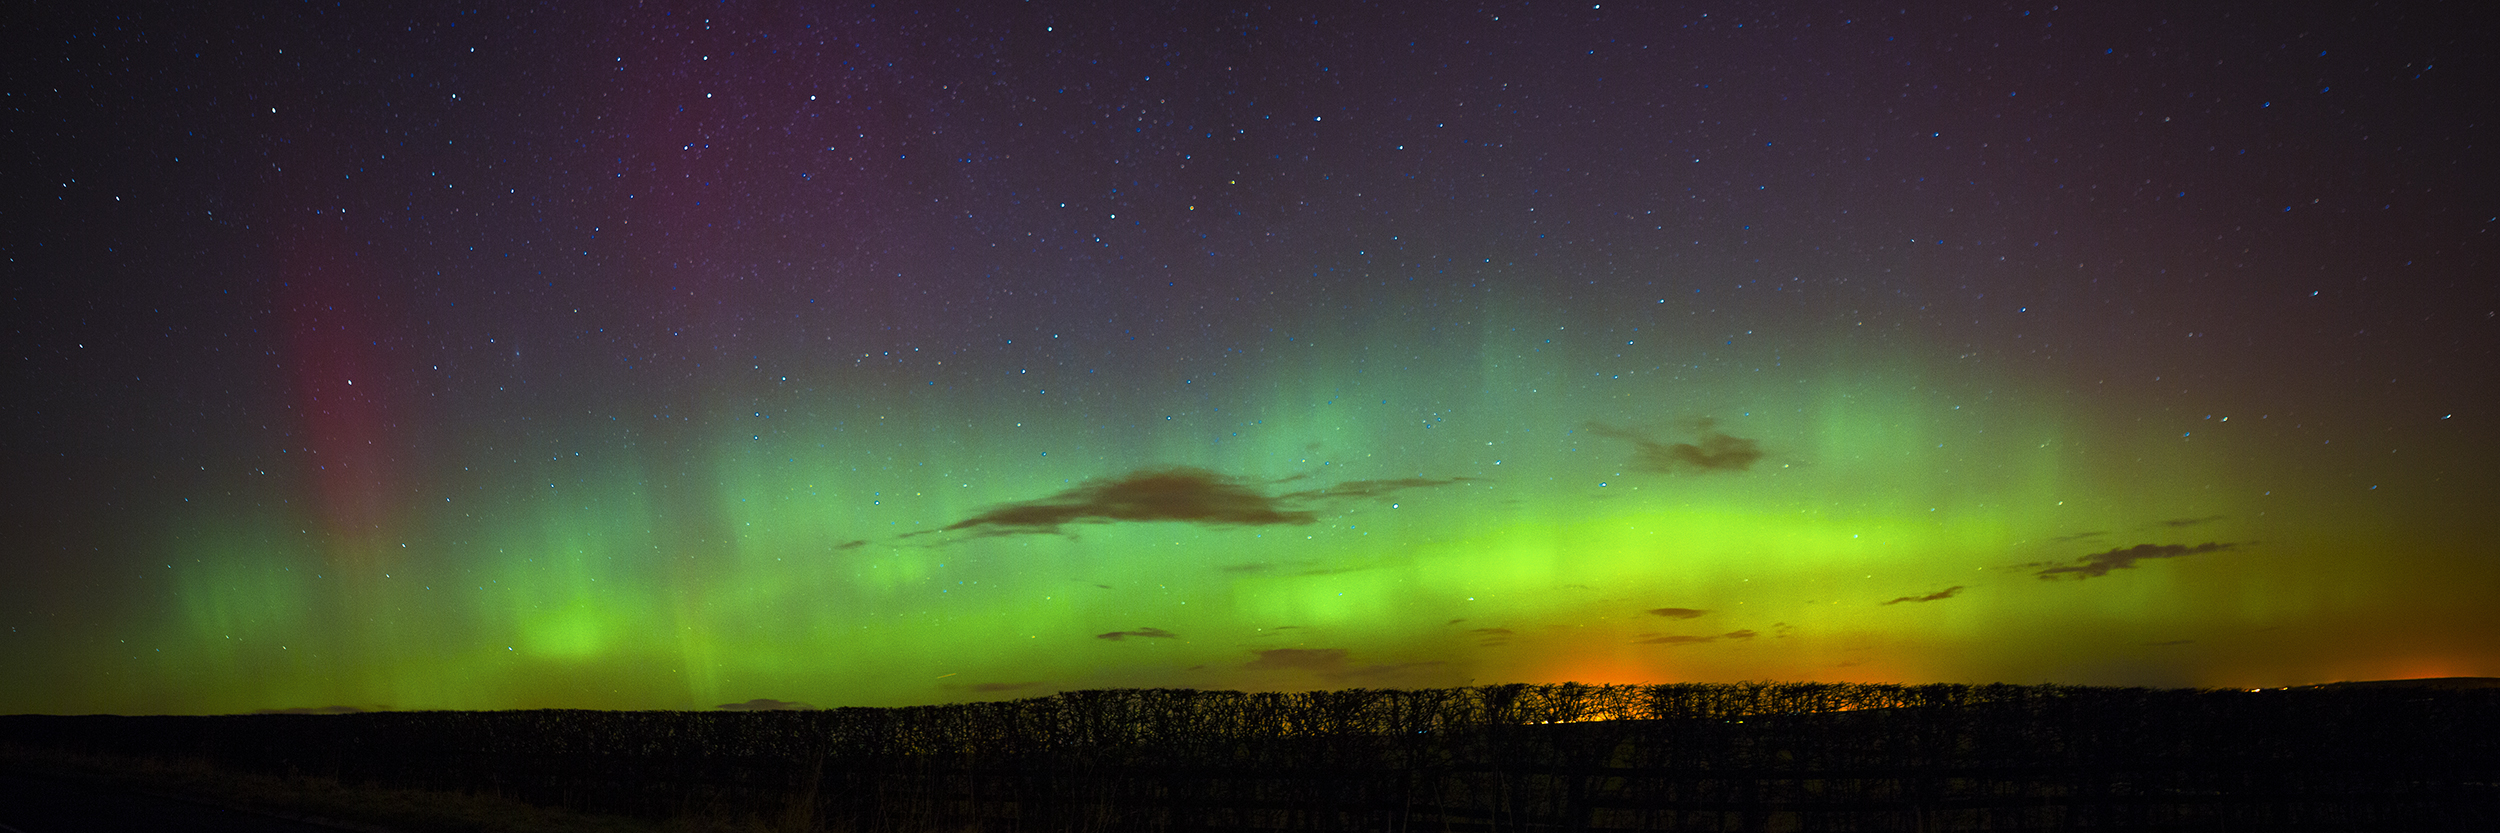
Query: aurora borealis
point(852, 354)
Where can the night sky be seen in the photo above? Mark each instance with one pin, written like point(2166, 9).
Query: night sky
point(853, 354)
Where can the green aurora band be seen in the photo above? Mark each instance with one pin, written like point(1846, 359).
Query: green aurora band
point(1505, 509)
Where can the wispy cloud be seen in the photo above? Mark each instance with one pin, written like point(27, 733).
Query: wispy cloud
point(1937, 596)
point(2068, 539)
point(2187, 522)
point(1299, 568)
point(1299, 659)
point(1146, 633)
point(2124, 558)
point(762, 704)
point(1376, 488)
point(1678, 612)
point(1739, 635)
point(1369, 671)
point(1715, 452)
point(1330, 663)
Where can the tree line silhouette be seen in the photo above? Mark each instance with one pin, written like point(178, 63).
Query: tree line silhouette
point(1568, 757)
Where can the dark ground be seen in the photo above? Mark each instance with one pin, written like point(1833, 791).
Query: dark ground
point(33, 803)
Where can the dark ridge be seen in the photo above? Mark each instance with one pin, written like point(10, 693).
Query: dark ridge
point(2433, 683)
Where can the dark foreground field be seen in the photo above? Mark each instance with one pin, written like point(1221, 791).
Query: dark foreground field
point(1778, 756)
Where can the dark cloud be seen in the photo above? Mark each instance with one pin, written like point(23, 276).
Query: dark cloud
point(318, 710)
point(2100, 563)
point(1491, 631)
point(1147, 633)
point(1740, 635)
point(1937, 596)
point(1715, 452)
point(851, 545)
point(1182, 494)
point(1678, 612)
point(761, 704)
point(1188, 495)
point(1002, 686)
point(2183, 522)
point(2068, 539)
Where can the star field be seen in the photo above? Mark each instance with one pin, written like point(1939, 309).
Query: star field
point(701, 354)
